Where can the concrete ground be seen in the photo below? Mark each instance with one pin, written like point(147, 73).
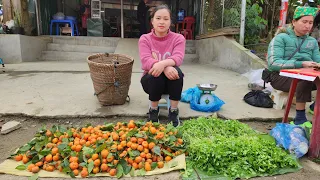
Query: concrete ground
point(65, 88)
point(58, 88)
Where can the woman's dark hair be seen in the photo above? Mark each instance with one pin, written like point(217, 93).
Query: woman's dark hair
point(297, 19)
point(157, 8)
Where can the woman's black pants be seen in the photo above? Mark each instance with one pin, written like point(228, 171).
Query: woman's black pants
point(157, 86)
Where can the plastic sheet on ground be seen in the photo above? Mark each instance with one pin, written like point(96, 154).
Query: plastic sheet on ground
point(254, 77)
point(8, 167)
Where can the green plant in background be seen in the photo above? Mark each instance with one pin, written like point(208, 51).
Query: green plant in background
point(232, 17)
point(254, 23)
point(256, 26)
point(17, 18)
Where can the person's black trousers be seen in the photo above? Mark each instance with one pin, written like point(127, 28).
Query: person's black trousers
point(143, 27)
point(157, 86)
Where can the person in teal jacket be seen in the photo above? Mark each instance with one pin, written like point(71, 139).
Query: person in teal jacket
point(281, 48)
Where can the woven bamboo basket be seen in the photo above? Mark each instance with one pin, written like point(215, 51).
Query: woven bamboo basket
point(111, 77)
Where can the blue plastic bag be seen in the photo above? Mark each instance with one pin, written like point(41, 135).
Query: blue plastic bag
point(291, 137)
point(186, 96)
point(193, 96)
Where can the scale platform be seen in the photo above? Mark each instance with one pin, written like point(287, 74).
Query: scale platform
point(207, 87)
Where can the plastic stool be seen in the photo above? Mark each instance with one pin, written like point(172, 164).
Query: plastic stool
point(279, 98)
point(167, 104)
point(73, 25)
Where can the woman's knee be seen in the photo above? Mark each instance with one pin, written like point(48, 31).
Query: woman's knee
point(305, 86)
point(152, 78)
point(303, 91)
point(180, 73)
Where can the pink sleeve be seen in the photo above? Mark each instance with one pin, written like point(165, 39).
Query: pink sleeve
point(178, 50)
point(145, 53)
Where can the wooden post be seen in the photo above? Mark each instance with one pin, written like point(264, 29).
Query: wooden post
point(243, 19)
point(270, 34)
point(14, 10)
point(25, 20)
point(7, 11)
point(209, 18)
point(37, 4)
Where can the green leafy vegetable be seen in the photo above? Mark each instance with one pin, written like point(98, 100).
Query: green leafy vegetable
point(87, 150)
point(133, 153)
point(232, 149)
point(25, 148)
point(62, 146)
point(157, 150)
point(119, 171)
point(153, 165)
point(132, 132)
point(45, 152)
point(107, 127)
point(166, 152)
point(125, 166)
point(21, 167)
point(90, 166)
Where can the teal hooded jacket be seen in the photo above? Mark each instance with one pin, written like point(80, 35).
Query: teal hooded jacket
point(283, 46)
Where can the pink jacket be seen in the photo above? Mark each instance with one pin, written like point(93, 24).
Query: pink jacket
point(153, 49)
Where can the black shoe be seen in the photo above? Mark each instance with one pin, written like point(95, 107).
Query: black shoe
point(154, 115)
point(174, 117)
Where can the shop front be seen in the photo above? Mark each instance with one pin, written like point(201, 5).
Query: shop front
point(109, 18)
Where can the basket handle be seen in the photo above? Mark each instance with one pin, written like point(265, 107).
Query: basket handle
point(115, 84)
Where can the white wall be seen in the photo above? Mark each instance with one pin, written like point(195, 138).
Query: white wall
point(31, 48)
point(228, 54)
point(18, 48)
point(10, 51)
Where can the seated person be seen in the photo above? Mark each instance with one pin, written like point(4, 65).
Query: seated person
point(281, 56)
point(161, 53)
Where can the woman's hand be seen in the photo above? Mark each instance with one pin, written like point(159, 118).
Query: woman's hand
point(171, 73)
point(317, 65)
point(157, 69)
point(309, 64)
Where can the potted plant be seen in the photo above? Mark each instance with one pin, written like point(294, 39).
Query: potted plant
point(18, 29)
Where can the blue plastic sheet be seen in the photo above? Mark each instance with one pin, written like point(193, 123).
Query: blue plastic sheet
point(291, 137)
point(193, 96)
